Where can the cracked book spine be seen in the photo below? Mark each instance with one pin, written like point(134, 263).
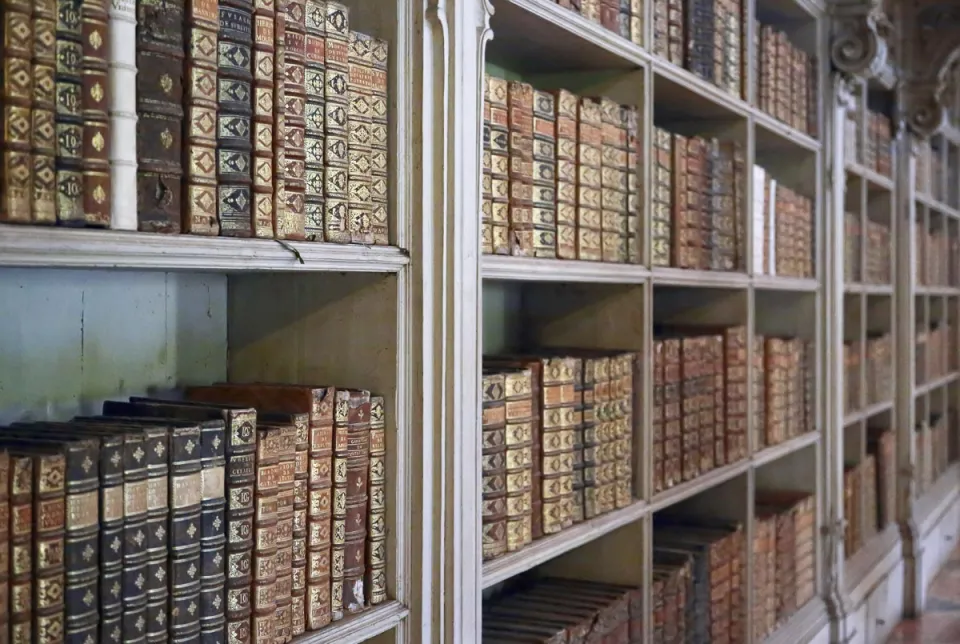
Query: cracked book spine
point(160, 56)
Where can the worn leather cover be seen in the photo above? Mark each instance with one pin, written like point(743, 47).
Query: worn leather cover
point(496, 185)
point(589, 163)
point(310, 218)
point(380, 141)
point(286, 475)
point(16, 182)
point(360, 139)
point(357, 480)
point(287, 224)
point(311, 106)
point(613, 181)
point(5, 545)
point(264, 17)
point(44, 135)
point(235, 125)
point(336, 91)
point(375, 575)
point(264, 627)
point(97, 191)
point(69, 119)
point(493, 466)
point(160, 55)
point(520, 150)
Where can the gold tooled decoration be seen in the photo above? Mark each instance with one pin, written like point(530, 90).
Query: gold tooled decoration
point(166, 83)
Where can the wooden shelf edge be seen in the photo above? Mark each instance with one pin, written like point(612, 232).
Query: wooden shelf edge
point(770, 454)
point(358, 628)
point(580, 27)
point(784, 131)
point(700, 484)
point(931, 505)
point(875, 559)
point(939, 206)
point(868, 412)
point(871, 176)
point(668, 276)
point(775, 283)
point(936, 383)
point(34, 246)
point(547, 548)
point(688, 80)
point(938, 290)
point(803, 625)
point(533, 269)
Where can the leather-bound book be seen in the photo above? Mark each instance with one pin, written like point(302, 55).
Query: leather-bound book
point(520, 148)
point(629, 375)
point(16, 189)
point(613, 183)
point(359, 139)
point(493, 516)
point(580, 395)
point(213, 538)
point(633, 143)
point(301, 497)
point(518, 457)
point(380, 141)
point(565, 105)
point(5, 546)
point(240, 426)
point(486, 182)
point(544, 173)
point(286, 224)
point(672, 413)
point(336, 94)
point(264, 63)
point(235, 120)
point(21, 548)
point(122, 151)
point(662, 198)
point(269, 447)
point(375, 576)
point(691, 364)
point(499, 179)
point(356, 528)
point(285, 511)
point(296, 48)
point(589, 162)
point(735, 392)
point(805, 526)
point(97, 188)
point(659, 360)
point(764, 560)
point(69, 115)
point(661, 12)
point(44, 208)
point(200, 126)
point(685, 187)
point(160, 55)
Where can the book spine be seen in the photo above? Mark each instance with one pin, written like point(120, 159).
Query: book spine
point(213, 539)
point(235, 124)
point(518, 456)
point(589, 192)
point(588, 438)
point(565, 106)
point(341, 447)
point(264, 627)
point(380, 141)
point(690, 374)
point(298, 554)
point(286, 225)
point(299, 51)
point(336, 94)
point(544, 214)
point(486, 181)
point(704, 398)
point(721, 433)
point(286, 492)
point(69, 116)
point(240, 480)
point(375, 576)
point(81, 541)
point(43, 178)
point(661, 30)
point(676, 31)
point(4, 546)
point(180, 469)
point(359, 139)
point(497, 185)
point(356, 528)
point(264, 62)
point(633, 149)
point(318, 607)
point(200, 135)
point(21, 549)
point(160, 54)
point(134, 568)
point(122, 152)
point(17, 188)
point(49, 516)
point(662, 206)
point(558, 415)
point(658, 416)
point(613, 183)
point(579, 397)
point(672, 413)
point(492, 466)
point(520, 149)
point(629, 366)
point(97, 190)
point(111, 538)
point(681, 216)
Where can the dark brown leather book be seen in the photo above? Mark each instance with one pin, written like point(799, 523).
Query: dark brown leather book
point(97, 190)
point(16, 189)
point(336, 96)
point(296, 52)
point(263, 118)
point(314, 76)
point(69, 115)
point(5, 546)
point(200, 126)
point(360, 139)
point(160, 55)
point(235, 125)
point(286, 475)
point(44, 178)
point(318, 403)
point(375, 575)
point(21, 548)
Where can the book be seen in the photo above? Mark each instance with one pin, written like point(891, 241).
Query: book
point(5, 544)
point(589, 192)
point(298, 50)
point(262, 132)
point(336, 94)
point(544, 174)
point(361, 186)
point(565, 106)
point(69, 114)
point(122, 71)
point(375, 575)
point(493, 466)
point(95, 164)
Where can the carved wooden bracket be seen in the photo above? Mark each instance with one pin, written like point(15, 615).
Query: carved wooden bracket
point(932, 32)
point(858, 44)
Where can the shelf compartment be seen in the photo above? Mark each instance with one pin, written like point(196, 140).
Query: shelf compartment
point(771, 454)
point(359, 628)
point(772, 135)
point(871, 563)
point(71, 248)
point(531, 269)
point(549, 38)
point(803, 625)
point(939, 206)
point(702, 483)
point(793, 284)
point(936, 383)
point(875, 181)
point(547, 548)
point(668, 276)
point(868, 412)
point(681, 96)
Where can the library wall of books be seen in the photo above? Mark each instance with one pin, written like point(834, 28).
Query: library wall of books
point(477, 321)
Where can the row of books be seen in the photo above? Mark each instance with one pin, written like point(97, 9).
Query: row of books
point(936, 348)
point(557, 444)
point(705, 37)
point(242, 514)
point(868, 372)
point(868, 140)
point(936, 257)
point(867, 254)
point(934, 448)
point(623, 17)
point(559, 175)
point(783, 235)
point(787, 87)
point(239, 121)
point(700, 390)
point(699, 580)
point(869, 491)
point(783, 558)
point(698, 197)
point(564, 610)
point(932, 176)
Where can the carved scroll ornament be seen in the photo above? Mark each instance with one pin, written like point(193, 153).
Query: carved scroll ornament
point(860, 28)
point(934, 35)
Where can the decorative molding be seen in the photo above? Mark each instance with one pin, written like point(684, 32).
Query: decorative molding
point(932, 31)
point(858, 44)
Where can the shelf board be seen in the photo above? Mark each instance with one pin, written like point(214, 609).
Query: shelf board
point(547, 548)
point(685, 95)
point(775, 283)
point(868, 412)
point(773, 135)
point(664, 276)
point(936, 383)
point(358, 628)
point(931, 505)
point(866, 567)
point(803, 625)
point(937, 290)
point(869, 289)
point(872, 177)
point(541, 36)
point(533, 269)
point(939, 206)
point(34, 246)
point(770, 454)
point(685, 490)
